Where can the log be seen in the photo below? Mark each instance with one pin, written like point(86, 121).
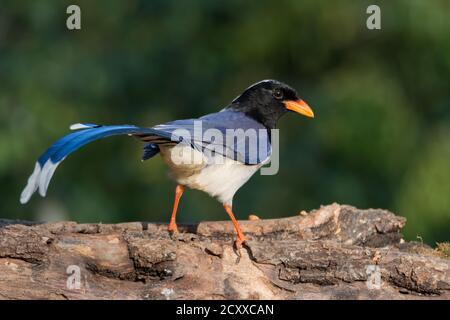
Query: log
point(334, 252)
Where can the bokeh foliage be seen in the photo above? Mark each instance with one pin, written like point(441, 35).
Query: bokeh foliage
point(381, 136)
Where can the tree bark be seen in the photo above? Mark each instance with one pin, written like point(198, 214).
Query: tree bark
point(335, 252)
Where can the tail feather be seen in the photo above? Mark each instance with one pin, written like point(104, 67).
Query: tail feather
point(150, 150)
point(50, 159)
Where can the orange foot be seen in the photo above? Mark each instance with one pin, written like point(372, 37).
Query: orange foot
point(173, 227)
point(239, 241)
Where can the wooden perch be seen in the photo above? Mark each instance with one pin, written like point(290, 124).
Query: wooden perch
point(335, 252)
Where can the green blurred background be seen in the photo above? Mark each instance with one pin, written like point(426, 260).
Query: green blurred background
point(381, 136)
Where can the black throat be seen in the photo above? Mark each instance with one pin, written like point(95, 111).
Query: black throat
point(266, 115)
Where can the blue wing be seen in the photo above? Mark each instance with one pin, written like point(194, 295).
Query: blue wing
point(229, 133)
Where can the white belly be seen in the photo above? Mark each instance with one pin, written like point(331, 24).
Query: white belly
point(220, 178)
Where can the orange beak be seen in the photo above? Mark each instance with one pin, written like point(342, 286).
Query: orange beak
point(300, 107)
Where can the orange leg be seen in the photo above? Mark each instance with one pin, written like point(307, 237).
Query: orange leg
point(178, 193)
point(240, 235)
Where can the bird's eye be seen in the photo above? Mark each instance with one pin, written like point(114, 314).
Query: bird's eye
point(278, 94)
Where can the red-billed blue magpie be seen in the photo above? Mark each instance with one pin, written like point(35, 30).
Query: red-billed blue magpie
point(198, 156)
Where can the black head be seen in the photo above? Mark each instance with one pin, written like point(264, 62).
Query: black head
point(266, 101)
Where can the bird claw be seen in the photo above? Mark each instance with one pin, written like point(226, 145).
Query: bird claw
point(173, 228)
point(174, 235)
point(238, 244)
point(173, 231)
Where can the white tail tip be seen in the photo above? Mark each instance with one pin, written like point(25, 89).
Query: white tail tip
point(78, 126)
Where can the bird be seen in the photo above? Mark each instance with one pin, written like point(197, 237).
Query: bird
point(197, 155)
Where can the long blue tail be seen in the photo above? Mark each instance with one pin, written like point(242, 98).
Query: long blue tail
point(49, 161)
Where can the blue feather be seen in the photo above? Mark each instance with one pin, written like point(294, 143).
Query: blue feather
point(150, 150)
point(237, 150)
point(50, 159)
